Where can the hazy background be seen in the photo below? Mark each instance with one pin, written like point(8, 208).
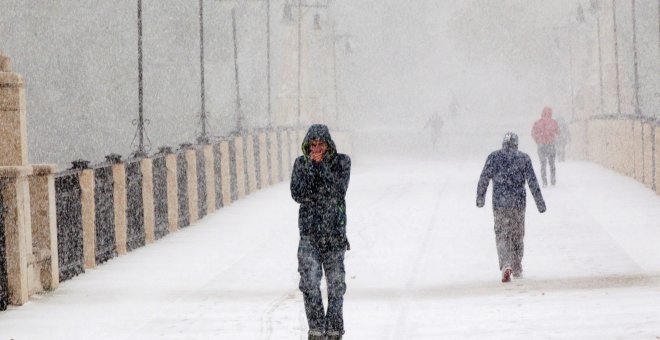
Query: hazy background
point(486, 66)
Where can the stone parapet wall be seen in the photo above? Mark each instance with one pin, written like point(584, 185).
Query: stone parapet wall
point(56, 225)
point(246, 160)
point(627, 144)
point(27, 214)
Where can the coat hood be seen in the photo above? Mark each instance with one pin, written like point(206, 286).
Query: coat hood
point(319, 131)
point(510, 141)
point(547, 112)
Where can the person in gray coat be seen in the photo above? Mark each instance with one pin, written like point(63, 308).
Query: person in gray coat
point(509, 169)
point(319, 181)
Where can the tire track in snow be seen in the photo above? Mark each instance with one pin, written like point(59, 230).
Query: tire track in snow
point(387, 196)
point(398, 332)
point(267, 315)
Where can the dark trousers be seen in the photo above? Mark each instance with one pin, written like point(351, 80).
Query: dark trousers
point(547, 155)
point(509, 235)
point(561, 152)
point(311, 261)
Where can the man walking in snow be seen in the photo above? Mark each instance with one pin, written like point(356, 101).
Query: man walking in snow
point(319, 181)
point(545, 132)
point(435, 123)
point(509, 169)
point(563, 139)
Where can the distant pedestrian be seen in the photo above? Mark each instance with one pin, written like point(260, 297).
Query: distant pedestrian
point(435, 123)
point(563, 139)
point(509, 169)
point(545, 132)
point(319, 182)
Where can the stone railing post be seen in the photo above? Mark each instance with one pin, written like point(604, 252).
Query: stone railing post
point(44, 227)
point(225, 173)
point(193, 197)
point(209, 172)
point(146, 169)
point(15, 195)
point(263, 160)
point(172, 192)
point(286, 161)
point(655, 173)
point(273, 156)
point(15, 192)
point(120, 203)
point(251, 168)
point(13, 129)
point(647, 152)
point(88, 212)
point(239, 161)
point(294, 146)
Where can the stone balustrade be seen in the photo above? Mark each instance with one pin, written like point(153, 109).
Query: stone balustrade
point(56, 225)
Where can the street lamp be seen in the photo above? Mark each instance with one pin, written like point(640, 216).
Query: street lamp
point(638, 111)
point(565, 32)
point(239, 110)
point(140, 122)
point(347, 50)
point(268, 65)
point(616, 58)
point(594, 9)
point(203, 137)
point(317, 18)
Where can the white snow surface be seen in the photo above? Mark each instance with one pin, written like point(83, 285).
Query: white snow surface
point(423, 265)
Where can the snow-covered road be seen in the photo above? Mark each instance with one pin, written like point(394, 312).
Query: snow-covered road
point(423, 265)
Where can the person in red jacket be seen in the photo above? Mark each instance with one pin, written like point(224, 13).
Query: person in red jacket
point(545, 132)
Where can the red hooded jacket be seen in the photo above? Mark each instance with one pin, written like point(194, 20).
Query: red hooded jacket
point(546, 129)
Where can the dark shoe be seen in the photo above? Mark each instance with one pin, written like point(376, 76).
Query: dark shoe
point(315, 334)
point(334, 335)
point(517, 275)
point(506, 274)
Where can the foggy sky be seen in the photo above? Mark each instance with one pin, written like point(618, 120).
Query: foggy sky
point(495, 59)
point(486, 66)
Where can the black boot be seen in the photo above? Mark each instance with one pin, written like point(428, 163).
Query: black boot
point(333, 335)
point(315, 335)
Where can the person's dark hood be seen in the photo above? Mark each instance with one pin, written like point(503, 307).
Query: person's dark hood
point(510, 141)
point(319, 131)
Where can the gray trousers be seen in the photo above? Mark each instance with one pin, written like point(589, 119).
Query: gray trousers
point(547, 155)
point(509, 234)
point(312, 261)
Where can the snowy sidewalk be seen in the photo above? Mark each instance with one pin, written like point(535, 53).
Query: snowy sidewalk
point(423, 265)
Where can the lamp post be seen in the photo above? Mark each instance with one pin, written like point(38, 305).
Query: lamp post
point(140, 122)
point(240, 119)
point(287, 15)
point(239, 110)
point(638, 111)
point(203, 137)
point(594, 8)
point(567, 29)
point(268, 67)
point(335, 39)
point(616, 58)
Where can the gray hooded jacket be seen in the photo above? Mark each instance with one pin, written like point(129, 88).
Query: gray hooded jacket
point(320, 188)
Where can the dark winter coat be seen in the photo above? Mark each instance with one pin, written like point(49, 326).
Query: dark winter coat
point(509, 169)
point(320, 188)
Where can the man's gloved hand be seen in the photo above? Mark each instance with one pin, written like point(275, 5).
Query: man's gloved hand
point(481, 201)
point(541, 207)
